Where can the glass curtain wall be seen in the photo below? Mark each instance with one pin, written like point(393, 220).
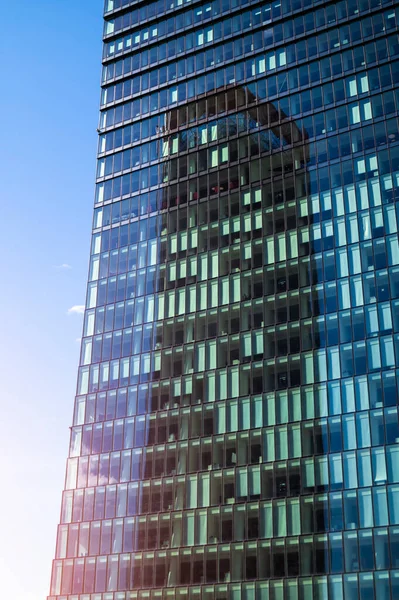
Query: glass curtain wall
point(235, 432)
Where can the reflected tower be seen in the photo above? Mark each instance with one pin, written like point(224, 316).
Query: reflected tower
point(235, 430)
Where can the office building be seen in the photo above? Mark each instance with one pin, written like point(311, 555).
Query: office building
point(235, 432)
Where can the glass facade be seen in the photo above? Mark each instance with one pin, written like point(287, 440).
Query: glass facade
point(235, 432)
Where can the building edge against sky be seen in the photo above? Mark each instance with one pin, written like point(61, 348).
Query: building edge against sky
point(235, 431)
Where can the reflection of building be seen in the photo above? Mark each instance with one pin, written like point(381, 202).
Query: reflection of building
point(235, 430)
point(250, 131)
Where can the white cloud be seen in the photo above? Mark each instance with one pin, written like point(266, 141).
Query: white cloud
point(63, 267)
point(78, 340)
point(78, 309)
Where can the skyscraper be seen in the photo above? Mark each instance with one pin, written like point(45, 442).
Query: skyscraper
point(235, 432)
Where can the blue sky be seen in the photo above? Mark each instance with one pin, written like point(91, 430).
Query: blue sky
point(50, 53)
